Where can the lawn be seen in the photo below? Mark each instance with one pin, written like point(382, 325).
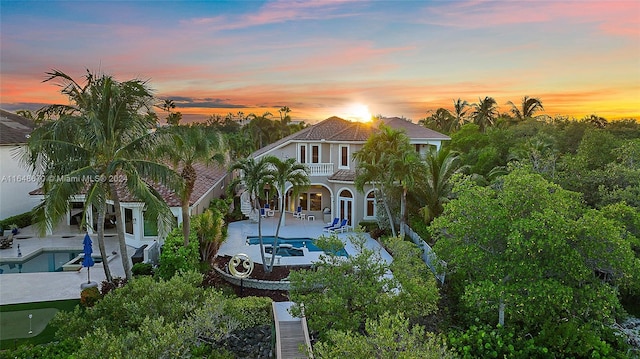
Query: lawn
point(15, 326)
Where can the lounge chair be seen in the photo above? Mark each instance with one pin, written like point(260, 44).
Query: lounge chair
point(332, 224)
point(298, 212)
point(338, 228)
point(6, 242)
point(263, 213)
point(270, 212)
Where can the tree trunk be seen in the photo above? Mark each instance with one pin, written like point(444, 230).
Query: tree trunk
point(388, 210)
point(126, 264)
point(274, 248)
point(403, 210)
point(103, 251)
point(189, 175)
point(264, 264)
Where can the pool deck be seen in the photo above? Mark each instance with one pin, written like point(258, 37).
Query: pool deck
point(39, 287)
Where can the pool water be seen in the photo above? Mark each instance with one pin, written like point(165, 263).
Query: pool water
point(309, 243)
point(45, 261)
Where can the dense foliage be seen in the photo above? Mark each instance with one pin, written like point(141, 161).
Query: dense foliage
point(527, 253)
point(342, 294)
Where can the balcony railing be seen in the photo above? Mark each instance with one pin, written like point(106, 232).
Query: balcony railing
point(320, 169)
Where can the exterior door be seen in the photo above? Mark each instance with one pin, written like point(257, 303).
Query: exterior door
point(345, 206)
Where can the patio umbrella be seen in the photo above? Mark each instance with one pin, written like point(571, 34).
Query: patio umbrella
point(88, 259)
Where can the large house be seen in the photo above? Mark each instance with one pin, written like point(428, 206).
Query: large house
point(15, 178)
point(327, 148)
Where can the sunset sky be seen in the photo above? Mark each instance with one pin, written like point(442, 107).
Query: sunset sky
point(325, 58)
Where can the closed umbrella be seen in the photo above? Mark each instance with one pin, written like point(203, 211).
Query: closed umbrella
point(88, 260)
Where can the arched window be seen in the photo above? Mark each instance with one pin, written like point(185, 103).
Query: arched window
point(370, 204)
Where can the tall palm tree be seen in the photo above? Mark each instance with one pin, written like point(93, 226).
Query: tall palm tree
point(460, 108)
point(377, 161)
point(283, 172)
point(190, 145)
point(440, 167)
point(485, 112)
point(406, 166)
point(255, 175)
point(529, 106)
point(99, 144)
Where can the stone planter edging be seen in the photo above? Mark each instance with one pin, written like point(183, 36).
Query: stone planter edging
point(255, 283)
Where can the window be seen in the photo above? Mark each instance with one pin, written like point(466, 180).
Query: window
point(303, 154)
point(316, 201)
point(315, 154)
point(344, 156)
point(128, 221)
point(150, 225)
point(303, 201)
point(370, 205)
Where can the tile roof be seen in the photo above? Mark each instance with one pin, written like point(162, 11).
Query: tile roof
point(343, 175)
point(14, 129)
point(340, 130)
point(208, 177)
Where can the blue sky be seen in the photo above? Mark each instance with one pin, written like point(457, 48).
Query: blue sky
point(324, 58)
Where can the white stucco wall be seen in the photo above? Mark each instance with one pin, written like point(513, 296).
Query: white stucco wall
point(16, 182)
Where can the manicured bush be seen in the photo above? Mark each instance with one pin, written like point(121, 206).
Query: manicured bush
point(90, 296)
point(142, 269)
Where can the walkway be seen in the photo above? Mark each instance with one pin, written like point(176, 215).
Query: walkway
point(292, 334)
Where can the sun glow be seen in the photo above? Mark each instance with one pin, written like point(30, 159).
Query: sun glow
point(358, 112)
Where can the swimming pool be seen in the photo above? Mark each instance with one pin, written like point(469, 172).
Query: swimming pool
point(309, 243)
point(45, 261)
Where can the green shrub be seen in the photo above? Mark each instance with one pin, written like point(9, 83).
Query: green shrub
point(20, 220)
point(142, 269)
point(175, 257)
point(368, 226)
point(90, 296)
point(250, 311)
point(489, 342)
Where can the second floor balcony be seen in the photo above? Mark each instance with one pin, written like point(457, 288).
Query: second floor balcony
point(320, 169)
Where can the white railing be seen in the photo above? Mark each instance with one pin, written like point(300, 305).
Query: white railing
point(437, 266)
point(320, 169)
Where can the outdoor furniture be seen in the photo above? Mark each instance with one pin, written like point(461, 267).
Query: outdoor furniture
point(337, 228)
point(303, 216)
point(298, 212)
point(263, 213)
point(332, 224)
point(6, 242)
point(311, 217)
point(138, 256)
point(270, 212)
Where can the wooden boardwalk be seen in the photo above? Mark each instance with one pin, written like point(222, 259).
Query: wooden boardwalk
point(292, 335)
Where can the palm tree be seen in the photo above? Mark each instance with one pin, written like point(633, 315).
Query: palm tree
point(255, 175)
point(377, 161)
point(190, 145)
point(460, 112)
point(485, 112)
point(440, 167)
point(529, 107)
point(441, 120)
point(406, 166)
point(283, 172)
point(99, 145)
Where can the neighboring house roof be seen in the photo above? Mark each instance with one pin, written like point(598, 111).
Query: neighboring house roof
point(14, 129)
point(340, 130)
point(413, 130)
point(207, 178)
